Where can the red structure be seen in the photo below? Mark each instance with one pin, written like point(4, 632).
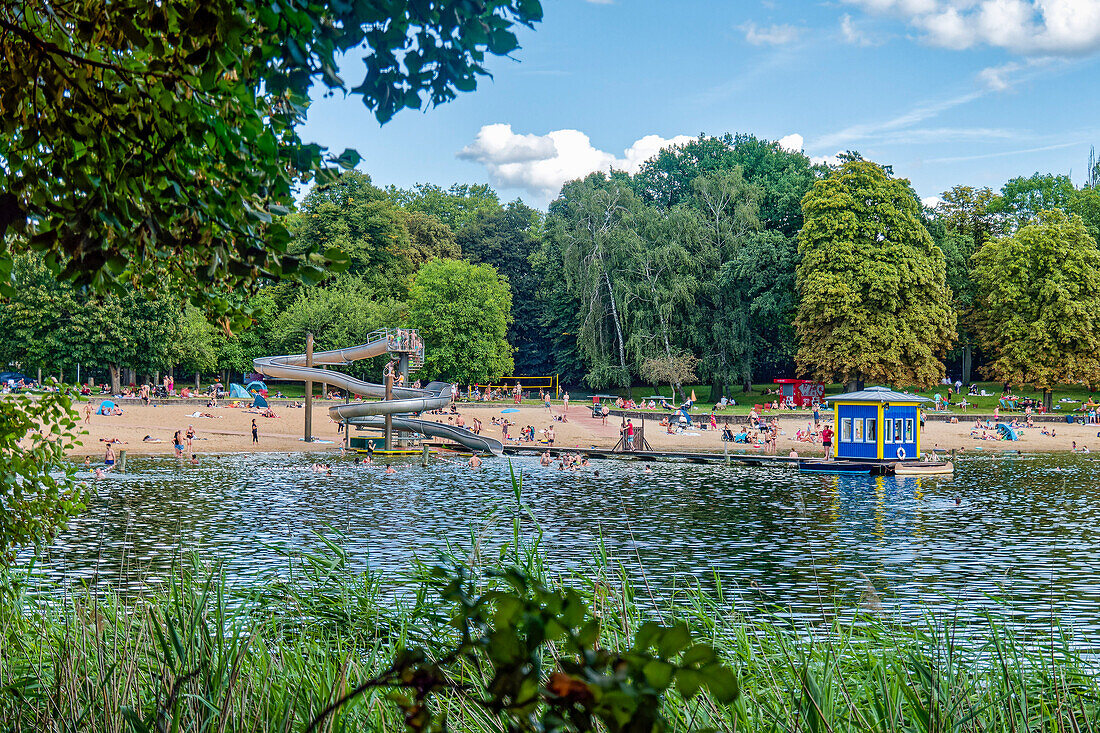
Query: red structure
point(800, 392)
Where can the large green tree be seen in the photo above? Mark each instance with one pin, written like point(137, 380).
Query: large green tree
point(727, 209)
point(590, 229)
point(1037, 304)
point(455, 206)
point(462, 312)
point(873, 302)
point(1085, 202)
point(157, 143)
point(660, 282)
point(356, 218)
point(506, 238)
point(748, 192)
point(1022, 198)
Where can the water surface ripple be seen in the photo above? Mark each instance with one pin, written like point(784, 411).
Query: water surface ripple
point(1026, 527)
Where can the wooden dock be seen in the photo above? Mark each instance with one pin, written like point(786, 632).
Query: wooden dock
point(655, 455)
point(739, 458)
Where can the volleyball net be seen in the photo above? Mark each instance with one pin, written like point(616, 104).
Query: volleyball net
point(506, 386)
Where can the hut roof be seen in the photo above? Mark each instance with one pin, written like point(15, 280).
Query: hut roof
point(877, 394)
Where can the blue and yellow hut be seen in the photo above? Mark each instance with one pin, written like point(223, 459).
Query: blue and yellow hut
point(877, 424)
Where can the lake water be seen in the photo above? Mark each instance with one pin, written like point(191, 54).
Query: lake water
point(1027, 527)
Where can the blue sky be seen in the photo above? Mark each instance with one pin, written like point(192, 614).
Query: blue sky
point(947, 91)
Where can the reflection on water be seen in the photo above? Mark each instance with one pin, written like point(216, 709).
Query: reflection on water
point(1026, 526)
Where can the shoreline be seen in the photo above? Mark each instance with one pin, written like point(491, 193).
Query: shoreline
point(229, 431)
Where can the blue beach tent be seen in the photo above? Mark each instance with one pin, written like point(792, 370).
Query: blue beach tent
point(105, 407)
point(1007, 431)
point(259, 401)
point(238, 392)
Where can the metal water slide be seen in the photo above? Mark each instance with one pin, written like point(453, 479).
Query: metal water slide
point(434, 396)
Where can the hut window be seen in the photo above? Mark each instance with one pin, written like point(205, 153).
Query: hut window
point(846, 430)
point(897, 430)
point(888, 431)
point(870, 430)
point(909, 430)
point(857, 430)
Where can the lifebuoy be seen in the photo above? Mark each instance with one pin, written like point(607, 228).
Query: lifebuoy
point(901, 453)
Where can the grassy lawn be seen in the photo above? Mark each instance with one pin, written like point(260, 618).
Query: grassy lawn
point(745, 402)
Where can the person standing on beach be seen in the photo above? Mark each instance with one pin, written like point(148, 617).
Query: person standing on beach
point(190, 437)
point(255, 432)
point(565, 401)
point(177, 443)
point(550, 436)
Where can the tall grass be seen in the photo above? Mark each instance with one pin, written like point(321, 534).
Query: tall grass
point(202, 656)
point(205, 655)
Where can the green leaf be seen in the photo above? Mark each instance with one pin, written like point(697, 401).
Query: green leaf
point(722, 683)
point(688, 682)
point(698, 654)
point(349, 159)
point(658, 674)
point(673, 639)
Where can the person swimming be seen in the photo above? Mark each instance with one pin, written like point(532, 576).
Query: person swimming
point(390, 469)
point(475, 461)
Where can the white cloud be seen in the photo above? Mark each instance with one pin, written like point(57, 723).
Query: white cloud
point(852, 33)
point(1050, 27)
point(833, 160)
point(792, 142)
point(773, 35)
point(919, 113)
point(931, 202)
point(542, 163)
point(1004, 77)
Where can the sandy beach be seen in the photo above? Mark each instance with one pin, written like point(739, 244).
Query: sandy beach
point(230, 431)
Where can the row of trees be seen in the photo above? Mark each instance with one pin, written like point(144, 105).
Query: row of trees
point(728, 259)
point(401, 266)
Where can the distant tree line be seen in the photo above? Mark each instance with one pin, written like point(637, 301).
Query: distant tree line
point(728, 260)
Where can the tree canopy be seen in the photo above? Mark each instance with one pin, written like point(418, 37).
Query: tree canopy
point(153, 143)
point(873, 299)
point(462, 312)
point(1037, 304)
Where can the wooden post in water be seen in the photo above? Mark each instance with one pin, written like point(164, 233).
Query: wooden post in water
point(389, 417)
point(403, 370)
point(424, 456)
point(309, 390)
point(122, 461)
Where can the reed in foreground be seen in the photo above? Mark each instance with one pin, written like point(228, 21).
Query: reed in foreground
point(502, 646)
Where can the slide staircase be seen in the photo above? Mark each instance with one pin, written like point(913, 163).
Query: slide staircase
point(405, 400)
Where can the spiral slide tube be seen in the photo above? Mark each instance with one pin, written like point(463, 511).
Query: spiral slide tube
point(434, 396)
